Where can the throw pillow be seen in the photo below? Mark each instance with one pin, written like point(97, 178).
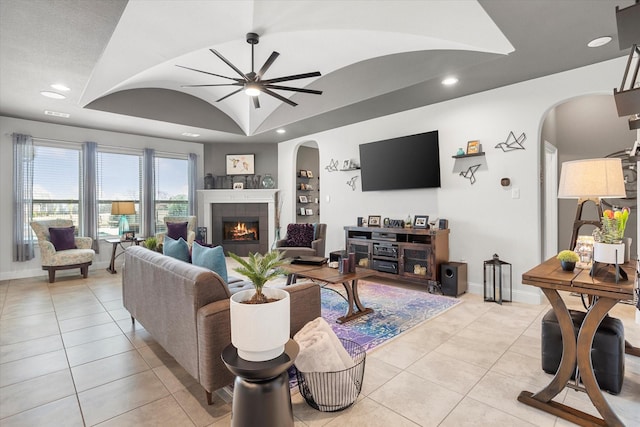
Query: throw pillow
point(211, 258)
point(63, 237)
point(299, 235)
point(177, 249)
point(176, 230)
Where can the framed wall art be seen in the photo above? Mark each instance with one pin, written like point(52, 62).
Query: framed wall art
point(241, 164)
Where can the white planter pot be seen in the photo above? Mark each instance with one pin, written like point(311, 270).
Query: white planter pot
point(606, 253)
point(260, 331)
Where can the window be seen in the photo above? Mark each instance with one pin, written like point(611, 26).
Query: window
point(56, 182)
point(171, 188)
point(119, 177)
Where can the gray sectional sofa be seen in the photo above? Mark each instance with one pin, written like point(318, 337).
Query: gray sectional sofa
point(185, 308)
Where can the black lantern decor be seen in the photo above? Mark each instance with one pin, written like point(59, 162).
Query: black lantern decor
point(497, 279)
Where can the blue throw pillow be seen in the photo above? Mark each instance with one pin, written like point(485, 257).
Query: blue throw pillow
point(177, 249)
point(211, 258)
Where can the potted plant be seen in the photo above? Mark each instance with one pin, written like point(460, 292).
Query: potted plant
point(568, 259)
point(260, 316)
point(608, 247)
point(151, 243)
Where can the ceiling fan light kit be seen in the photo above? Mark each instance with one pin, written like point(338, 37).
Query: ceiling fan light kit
point(252, 83)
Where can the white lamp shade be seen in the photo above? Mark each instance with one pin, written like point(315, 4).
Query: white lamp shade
point(592, 178)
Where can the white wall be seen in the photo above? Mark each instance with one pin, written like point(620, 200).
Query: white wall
point(484, 218)
point(12, 270)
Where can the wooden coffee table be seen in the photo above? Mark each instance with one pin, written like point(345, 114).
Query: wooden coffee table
point(333, 276)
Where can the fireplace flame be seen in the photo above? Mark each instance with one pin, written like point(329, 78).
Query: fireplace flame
point(240, 231)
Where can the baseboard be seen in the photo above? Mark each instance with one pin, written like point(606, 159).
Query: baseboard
point(534, 297)
point(25, 274)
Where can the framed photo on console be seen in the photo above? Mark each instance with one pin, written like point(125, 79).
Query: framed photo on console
point(374, 220)
point(421, 221)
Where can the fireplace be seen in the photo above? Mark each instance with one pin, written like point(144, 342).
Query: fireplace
point(256, 205)
point(240, 229)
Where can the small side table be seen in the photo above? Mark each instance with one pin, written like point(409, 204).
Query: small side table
point(261, 395)
point(119, 243)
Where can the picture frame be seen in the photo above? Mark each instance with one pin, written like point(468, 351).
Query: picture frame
point(303, 173)
point(201, 234)
point(303, 186)
point(309, 174)
point(346, 165)
point(303, 211)
point(128, 235)
point(374, 220)
point(238, 185)
point(443, 224)
point(309, 211)
point(421, 221)
point(241, 164)
point(473, 147)
point(303, 199)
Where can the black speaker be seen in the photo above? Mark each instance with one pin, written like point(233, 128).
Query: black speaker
point(453, 278)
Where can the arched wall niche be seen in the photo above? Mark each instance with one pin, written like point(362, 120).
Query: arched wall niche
point(583, 127)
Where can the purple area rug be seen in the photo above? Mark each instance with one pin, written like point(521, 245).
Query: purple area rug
point(396, 310)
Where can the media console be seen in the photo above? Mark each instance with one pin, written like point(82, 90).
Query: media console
point(403, 253)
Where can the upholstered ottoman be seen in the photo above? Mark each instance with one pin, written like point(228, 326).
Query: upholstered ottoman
point(607, 351)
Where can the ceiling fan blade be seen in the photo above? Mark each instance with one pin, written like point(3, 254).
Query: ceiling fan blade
point(280, 97)
point(293, 77)
point(226, 96)
point(221, 84)
point(294, 89)
point(212, 74)
point(226, 61)
point(267, 64)
point(256, 102)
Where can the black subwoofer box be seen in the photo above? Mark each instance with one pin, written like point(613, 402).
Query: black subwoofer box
point(607, 351)
point(453, 278)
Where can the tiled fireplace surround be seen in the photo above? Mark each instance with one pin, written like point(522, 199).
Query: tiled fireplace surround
point(214, 205)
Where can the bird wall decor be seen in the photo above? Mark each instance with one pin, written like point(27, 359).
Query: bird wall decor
point(512, 143)
point(470, 173)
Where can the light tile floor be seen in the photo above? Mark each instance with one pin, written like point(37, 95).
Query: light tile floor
point(69, 356)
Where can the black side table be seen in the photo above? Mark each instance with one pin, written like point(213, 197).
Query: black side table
point(261, 395)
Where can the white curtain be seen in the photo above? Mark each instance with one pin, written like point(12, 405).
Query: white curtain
point(22, 197)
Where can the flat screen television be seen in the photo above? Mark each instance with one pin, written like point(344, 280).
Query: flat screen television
point(401, 163)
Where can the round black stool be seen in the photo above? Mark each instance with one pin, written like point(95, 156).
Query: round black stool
point(261, 395)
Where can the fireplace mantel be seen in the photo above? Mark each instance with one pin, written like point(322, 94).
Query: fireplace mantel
point(206, 198)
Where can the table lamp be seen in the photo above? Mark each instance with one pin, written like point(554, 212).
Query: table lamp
point(590, 180)
point(123, 209)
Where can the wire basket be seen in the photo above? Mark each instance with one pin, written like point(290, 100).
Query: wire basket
point(334, 391)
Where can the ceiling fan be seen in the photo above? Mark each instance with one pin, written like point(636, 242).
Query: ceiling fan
point(252, 82)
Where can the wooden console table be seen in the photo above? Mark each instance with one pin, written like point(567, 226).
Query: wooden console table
point(602, 288)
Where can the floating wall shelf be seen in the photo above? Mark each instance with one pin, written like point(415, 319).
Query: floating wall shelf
point(462, 156)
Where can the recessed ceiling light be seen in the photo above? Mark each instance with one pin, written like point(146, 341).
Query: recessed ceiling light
point(600, 41)
point(281, 131)
point(193, 135)
point(57, 114)
point(60, 87)
point(54, 95)
point(450, 81)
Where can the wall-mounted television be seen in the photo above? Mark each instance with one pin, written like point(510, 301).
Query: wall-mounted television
point(401, 163)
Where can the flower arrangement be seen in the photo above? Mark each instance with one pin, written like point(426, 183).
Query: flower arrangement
point(613, 225)
point(568, 256)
